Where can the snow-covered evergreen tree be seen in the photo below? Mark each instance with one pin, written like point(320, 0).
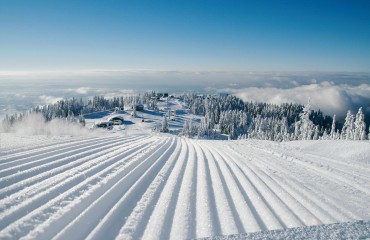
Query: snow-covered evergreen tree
point(134, 108)
point(348, 127)
point(325, 135)
point(360, 126)
point(332, 131)
point(189, 128)
point(232, 133)
point(202, 129)
point(316, 134)
point(297, 130)
point(284, 129)
point(305, 125)
point(164, 127)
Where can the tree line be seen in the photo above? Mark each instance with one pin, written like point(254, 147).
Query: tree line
point(286, 122)
point(222, 114)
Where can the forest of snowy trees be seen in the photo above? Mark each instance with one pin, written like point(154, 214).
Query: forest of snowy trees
point(222, 115)
point(286, 122)
point(73, 109)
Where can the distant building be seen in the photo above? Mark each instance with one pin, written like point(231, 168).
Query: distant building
point(104, 124)
point(116, 120)
point(159, 95)
point(139, 107)
point(172, 115)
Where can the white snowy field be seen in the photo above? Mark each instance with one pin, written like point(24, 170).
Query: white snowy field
point(157, 186)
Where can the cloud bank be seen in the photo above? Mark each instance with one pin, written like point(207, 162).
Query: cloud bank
point(332, 92)
point(327, 96)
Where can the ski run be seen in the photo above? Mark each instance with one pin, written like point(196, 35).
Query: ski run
point(157, 186)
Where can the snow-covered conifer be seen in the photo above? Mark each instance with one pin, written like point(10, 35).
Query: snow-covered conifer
point(284, 129)
point(360, 126)
point(332, 131)
point(325, 135)
point(316, 134)
point(202, 129)
point(233, 134)
point(306, 125)
point(297, 130)
point(189, 129)
point(134, 108)
point(347, 130)
point(164, 127)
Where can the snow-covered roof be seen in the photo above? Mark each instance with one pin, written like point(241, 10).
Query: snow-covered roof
point(115, 117)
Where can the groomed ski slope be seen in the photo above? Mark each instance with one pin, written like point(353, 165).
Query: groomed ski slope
point(159, 187)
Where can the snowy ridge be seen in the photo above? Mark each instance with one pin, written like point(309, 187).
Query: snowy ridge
point(159, 187)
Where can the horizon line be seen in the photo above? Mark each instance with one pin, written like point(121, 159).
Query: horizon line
point(147, 70)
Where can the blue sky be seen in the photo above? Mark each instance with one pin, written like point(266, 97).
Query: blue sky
point(185, 35)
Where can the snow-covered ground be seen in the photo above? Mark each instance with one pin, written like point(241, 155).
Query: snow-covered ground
point(348, 230)
point(156, 187)
point(132, 182)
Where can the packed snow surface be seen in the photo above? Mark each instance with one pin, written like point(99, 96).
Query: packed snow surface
point(348, 230)
point(158, 186)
